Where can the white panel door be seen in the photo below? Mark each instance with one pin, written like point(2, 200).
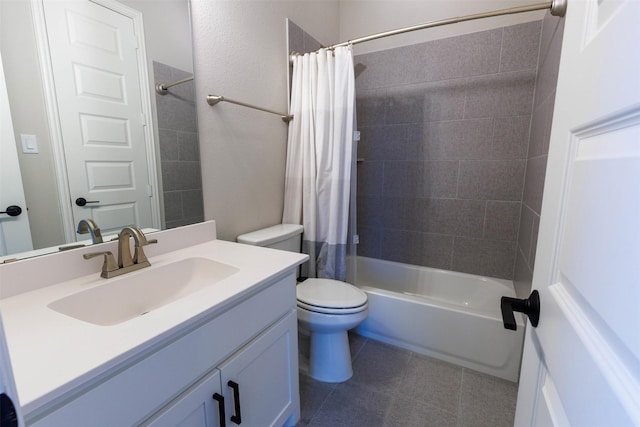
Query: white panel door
point(15, 234)
point(95, 66)
point(581, 365)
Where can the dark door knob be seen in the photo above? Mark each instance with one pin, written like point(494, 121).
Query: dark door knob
point(8, 414)
point(12, 210)
point(81, 201)
point(529, 306)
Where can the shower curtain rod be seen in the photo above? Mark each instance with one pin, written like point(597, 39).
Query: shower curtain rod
point(161, 88)
point(214, 99)
point(557, 7)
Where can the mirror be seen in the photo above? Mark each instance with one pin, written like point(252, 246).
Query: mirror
point(172, 153)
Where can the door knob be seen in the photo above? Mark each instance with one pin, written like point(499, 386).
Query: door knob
point(81, 201)
point(529, 306)
point(12, 210)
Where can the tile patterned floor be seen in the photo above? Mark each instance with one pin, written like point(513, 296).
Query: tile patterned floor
point(395, 387)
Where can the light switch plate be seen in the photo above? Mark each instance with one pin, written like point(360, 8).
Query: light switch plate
point(29, 144)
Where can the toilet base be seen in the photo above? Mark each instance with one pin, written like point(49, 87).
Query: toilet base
point(330, 357)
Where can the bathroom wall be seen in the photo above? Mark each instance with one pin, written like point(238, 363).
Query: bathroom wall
point(444, 147)
point(240, 53)
point(545, 93)
point(179, 148)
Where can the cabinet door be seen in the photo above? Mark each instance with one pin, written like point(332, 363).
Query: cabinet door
point(198, 407)
point(260, 382)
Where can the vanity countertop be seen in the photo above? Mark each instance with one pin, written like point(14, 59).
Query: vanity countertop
point(52, 353)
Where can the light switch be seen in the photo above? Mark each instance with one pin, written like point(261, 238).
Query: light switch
point(29, 144)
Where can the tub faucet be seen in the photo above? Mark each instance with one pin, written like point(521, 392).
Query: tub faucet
point(126, 262)
point(89, 226)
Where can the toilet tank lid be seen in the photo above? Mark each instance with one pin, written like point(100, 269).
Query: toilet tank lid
point(270, 235)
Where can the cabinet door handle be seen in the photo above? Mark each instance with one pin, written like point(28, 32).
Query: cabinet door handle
point(220, 399)
point(237, 417)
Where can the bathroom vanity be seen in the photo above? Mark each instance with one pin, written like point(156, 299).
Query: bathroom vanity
point(222, 353)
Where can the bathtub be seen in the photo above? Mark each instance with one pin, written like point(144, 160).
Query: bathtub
point(447, 315)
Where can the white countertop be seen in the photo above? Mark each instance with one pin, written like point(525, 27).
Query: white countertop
point(52, 353)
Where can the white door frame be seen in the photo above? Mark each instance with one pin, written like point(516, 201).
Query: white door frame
point(55, 130)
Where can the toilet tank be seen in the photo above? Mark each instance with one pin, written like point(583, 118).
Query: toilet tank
point(285, 237)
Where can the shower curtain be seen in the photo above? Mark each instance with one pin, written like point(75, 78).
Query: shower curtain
point(319, 156)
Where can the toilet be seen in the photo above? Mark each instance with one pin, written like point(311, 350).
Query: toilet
point(326, 308)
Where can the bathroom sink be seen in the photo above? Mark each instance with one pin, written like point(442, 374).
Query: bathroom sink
point(134, 294)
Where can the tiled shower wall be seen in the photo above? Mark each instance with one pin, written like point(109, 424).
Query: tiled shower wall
point(545, 94)
point(444, 148)
point(179, 150)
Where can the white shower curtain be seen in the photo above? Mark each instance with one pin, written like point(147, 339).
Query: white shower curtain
point(319, 155)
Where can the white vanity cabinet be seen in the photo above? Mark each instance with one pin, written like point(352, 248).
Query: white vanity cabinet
point(252, 343)
point(254, 387)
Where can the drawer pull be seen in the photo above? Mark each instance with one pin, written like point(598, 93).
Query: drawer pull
point(220, 399)
point(237, 417)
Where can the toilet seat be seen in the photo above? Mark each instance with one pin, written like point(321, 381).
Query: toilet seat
point(325, 310)
point(330, 297)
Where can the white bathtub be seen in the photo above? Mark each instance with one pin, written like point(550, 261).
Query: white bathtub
point(443, 314)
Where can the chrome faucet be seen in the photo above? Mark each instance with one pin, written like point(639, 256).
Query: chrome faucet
point(89, 226)
point(126, 263)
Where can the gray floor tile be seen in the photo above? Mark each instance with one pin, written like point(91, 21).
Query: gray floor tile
point(379, 367)
point(407, 412)
point(487, 400)
point(312, 395)
point(352, 405)
point(433, 382)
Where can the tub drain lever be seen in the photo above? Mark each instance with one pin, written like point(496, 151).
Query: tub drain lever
point(529, 306)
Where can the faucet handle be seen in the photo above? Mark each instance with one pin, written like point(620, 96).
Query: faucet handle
point(108, 266)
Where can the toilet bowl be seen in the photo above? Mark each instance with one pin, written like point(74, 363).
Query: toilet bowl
point(326, 308)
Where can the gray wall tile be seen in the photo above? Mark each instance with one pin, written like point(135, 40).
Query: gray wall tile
point(520, 46)
point(444, 100)
point(502, 220)
point(526, 231)
point(179, 149)
point(369, 211)
point(404, 106)
point(173, 205)
point(549, 61)
point(370, 178)
point(370, 241)
point(546, 81)
point(440, 179)
point(534, 183)
point(444, 137)
point(403, 179)
point(500, 95)
point(510, 137)
point(436, 251)
point(522, 277)
point(541, 128)
point(459, 139)
point(168, 144)
point(402, 246)
point(188, 146)
point(370, 107)
point(491, 179)
point(493, 258)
